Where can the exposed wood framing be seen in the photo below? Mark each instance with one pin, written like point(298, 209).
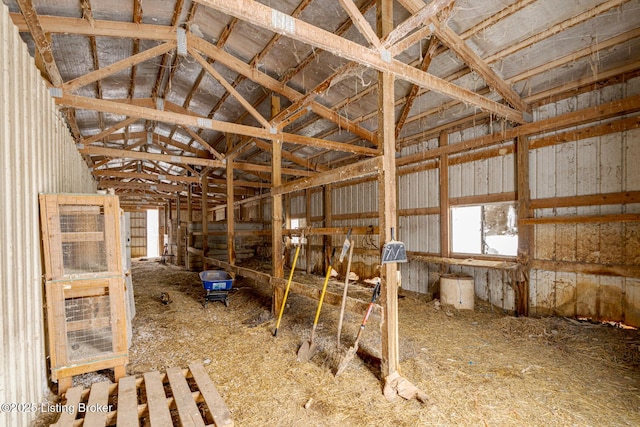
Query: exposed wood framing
point(276, 213)
point(124, 64)
point(205, 221)
point(457, 45)
point(246, 104)
point(526, 236)
point(361, 23)
point(273, 20)
point(41, 40)
point(231, 245)
point(387, 200)
point(362, 168)
point(600, 112)
point(201, 122)
point(443, 169)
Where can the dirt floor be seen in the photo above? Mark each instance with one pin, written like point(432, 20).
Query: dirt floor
point(478, 368)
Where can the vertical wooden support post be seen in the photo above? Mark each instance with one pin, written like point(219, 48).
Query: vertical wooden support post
point(178, 223)
point(231, 246)
point(387, 201)
point(525, 231)
point(445, 228)
point(189, 231)
point(205, 220)
point(276, 213)
point(327, 210)
point(287, 224)
point(178, 207)
point(307, 195)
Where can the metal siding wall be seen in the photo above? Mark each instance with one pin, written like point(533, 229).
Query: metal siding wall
point(591, 166)
point(298, 206)
point(37, 155)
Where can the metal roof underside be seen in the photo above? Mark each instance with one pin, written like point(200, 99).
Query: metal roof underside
point(201, 75)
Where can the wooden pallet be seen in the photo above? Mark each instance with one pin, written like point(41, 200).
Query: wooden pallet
point(185, 397)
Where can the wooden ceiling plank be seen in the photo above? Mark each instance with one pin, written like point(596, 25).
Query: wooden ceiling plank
point(41, 40)
point(108, 70)
point(273, 20)
point(246, 104)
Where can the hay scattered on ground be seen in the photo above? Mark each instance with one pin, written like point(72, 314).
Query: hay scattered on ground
point(478, 368)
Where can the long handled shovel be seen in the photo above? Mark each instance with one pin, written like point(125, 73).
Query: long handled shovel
point(353, 350)
point(308, 348)
point(286, 292)
point(347, 244)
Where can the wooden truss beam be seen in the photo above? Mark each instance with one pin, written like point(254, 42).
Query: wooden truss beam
point(41, 40)
point(111, 130)
point(273, 20)
point(118, 66)
point(472, 59)
point(270, 83)
point(246, 104)
point(204, 123)
point(361, 23)
point(355, 170)
point(183, 160)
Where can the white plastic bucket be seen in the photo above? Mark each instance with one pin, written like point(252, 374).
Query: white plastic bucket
point(457, 291)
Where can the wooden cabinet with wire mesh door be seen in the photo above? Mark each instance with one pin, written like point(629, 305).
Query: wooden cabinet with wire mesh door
point(84, 285)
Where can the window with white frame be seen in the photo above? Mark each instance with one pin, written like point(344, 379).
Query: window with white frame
point(490, 229)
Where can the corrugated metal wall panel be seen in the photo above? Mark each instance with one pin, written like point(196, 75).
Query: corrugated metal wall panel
point(37, 155)
point(418, 190)
point(298, 206)
point(316, 203)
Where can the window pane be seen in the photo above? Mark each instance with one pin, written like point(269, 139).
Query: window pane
point(466, 227)
point(500, 229)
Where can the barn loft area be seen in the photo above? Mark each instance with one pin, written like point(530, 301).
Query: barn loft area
point(496, 142)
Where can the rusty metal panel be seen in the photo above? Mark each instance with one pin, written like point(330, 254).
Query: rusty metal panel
point(37, 155)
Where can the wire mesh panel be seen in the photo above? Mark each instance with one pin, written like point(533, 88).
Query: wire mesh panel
point(88, 325)
point(86, 314)
point(84, 248)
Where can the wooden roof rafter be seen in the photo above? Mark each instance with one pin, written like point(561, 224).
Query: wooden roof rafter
point(273, 20)
point(42, 42)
